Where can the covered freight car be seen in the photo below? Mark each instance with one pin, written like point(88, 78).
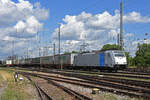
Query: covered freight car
point(8, 62)
point(64, 59)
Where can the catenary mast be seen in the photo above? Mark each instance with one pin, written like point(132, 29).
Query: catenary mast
point(121, 26)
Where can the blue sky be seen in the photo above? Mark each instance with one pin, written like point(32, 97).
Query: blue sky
point(95, 22)
point(59, 9)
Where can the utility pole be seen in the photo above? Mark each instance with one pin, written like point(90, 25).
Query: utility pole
point(39, 51)
point(27, 52)
point(121, 25)
point(45, 52)
point(59, 43)
point(38, 43)
point(12, 51)
point(118, 40)
point(54, 53)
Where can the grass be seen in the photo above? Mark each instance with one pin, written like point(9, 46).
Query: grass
point(14, 90)
point(13, 69)
point(62, 98)
point(1, 81)
point(1, 78)
point(108, 97)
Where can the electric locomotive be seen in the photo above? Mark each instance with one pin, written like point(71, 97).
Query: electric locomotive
point(109, 59)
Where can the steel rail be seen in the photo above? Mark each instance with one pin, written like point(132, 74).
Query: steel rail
point(40, 91)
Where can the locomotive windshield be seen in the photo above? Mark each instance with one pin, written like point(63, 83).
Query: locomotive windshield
point(119, 54)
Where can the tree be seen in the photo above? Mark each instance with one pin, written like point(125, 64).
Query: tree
point(110, 47)
point(75, 52)
point(130, 60)
point(147, 58)
point(71, 52)
point(142, 58)
point(67, 52)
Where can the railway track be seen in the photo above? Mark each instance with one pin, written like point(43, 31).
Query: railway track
point(107, 80)
point(140, 70)
point(69, 91)
point(133, 73)
point(123, 73)
point(91, 82)
point(136, 83)
point(73, 93)
point(43, 95)
point(105, 77)
point(128, 76)
point(118, 74)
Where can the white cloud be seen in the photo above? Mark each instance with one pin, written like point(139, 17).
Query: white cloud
point(21, 18)
point(24, 5)
point(96, 30)
point(20, 26)
point(128, 35)
point(33, 25)
point(19, 21)
point(40, 13)
point(135, 17)
point(11, 12)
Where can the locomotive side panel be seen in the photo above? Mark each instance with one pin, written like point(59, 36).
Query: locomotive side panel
point(109, 59)
point(87, 60)
point(102, 60)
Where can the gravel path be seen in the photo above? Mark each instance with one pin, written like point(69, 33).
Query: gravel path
point(2, 89)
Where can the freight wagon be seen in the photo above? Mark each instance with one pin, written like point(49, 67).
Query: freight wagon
point(8, 62)
point(65, 60)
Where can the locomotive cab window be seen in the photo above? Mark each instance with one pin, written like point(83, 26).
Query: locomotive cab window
point(119, 55)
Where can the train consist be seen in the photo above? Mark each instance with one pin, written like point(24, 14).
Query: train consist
point(109, 59)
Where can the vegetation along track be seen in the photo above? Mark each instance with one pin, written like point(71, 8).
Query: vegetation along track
point(91, 82)
point(73, 93)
